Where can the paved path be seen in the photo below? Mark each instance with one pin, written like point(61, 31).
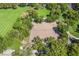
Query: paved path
point(70, 35)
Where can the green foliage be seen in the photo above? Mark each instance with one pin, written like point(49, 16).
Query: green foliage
point(26, 52)
point(39, 14)
point(18, 29)
point(57, 47)
point(50, 47)
point(49, 19)
point(71, 16)
point(16, 53)
point(8, 5)
point(2, 44)
point(77, 29)
point(35, 5)
point(12, 39)
point(22, 4)
point(55, 14)
point(62, 28)
point(19, 32)
point(73, 49)
point(64, 7)
point(52, 6)
point(38, 43)
point(53, 47)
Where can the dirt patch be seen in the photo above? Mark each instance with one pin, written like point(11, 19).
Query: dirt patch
point(43, 30)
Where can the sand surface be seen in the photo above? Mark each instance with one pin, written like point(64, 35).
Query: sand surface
point(43, 30)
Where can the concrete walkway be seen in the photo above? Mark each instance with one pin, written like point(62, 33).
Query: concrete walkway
point(70, 35)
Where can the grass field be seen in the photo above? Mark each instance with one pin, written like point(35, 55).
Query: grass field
point(8, 17)
point(42, 12)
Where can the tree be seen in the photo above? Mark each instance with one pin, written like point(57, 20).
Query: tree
point(26, 52)
point(55, 14)
point(36, 5)
point(51, 6)
point(71, 16)
point(49, 19)
point(8, 5)
point(50, 47)
point(73, 49)
point(62, 28)
point(64, 7)
point(77, 29)
point(2, 44)
point(57, 47)
point(22, 4)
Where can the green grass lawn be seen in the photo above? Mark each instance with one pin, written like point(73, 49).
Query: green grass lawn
point(42, 12)
point(8, 17)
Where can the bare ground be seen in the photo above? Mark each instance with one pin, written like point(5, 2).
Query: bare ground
point(43, 30)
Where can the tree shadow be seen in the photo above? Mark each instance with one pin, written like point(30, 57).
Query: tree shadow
point(56, 30)
point(73, 40)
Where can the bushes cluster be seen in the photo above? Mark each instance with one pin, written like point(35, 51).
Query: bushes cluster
point(56, 11)
point(50, 47)
point(8, 5)
point(53, 47)
point(11, 5)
